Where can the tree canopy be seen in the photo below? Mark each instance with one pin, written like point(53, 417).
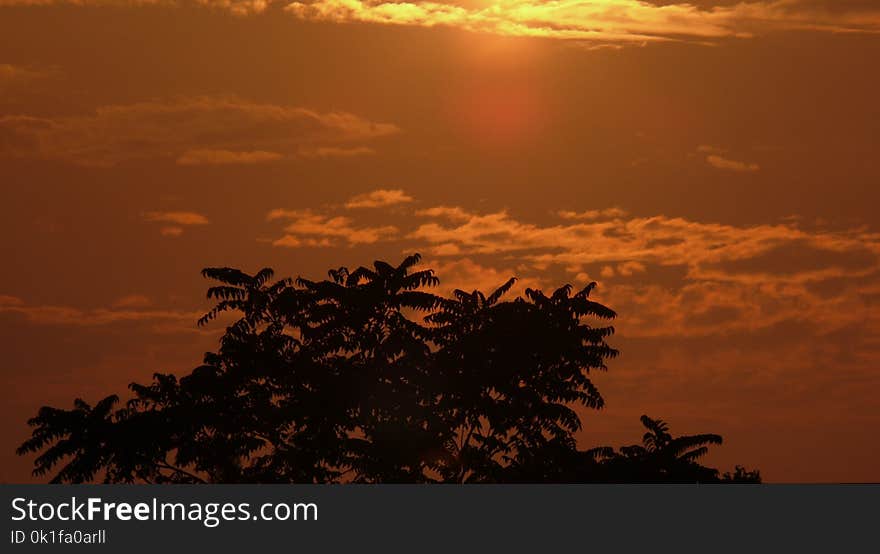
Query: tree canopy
point(369, 377)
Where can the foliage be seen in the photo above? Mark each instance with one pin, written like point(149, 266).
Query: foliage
point(741, 475)
point(661, 458)
point(367, 377)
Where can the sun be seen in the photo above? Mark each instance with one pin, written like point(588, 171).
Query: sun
point(499, 102)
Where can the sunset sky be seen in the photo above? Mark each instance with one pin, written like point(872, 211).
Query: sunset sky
point(713, 165)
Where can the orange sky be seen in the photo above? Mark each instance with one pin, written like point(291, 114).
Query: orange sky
point(713, 165)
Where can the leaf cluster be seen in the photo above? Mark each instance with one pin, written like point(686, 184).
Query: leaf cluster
point(365, 376)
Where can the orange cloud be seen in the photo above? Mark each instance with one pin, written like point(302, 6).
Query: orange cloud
point(335, 152)
point(379, 198)
point(17, 75)
point(603, 23)
point(178, 218)
point(608, 213)
point(626, 245)
point(468, 275)
point(171, 231)
point(448, 212)
point(704, 308)
point(657, 240)
point(7, 301)
point(734, 278)
point(709, 149)
point(634, 21)
point(195, 130)
point(720, 162)
point(668, 276)
point(628, 268)
point(307, 228)
point(171, 320)
point(291, 241)
point(225, 157)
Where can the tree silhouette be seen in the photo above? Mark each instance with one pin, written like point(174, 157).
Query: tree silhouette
point(661, 457)
point(741, 475)
point(513, 371)
point(367, 377)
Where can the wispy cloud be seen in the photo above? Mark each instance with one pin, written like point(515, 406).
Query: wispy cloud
point(130, 309)
point(600, 20)
point(453, 213)
point(335, 152)
point(226, 157)
point(192, 131)
point(308, 228)
point(171, 231)
point(669, 275)
point(709, 149)
point(608, 213)
point(175, 222)
point(379, 199)
point(719, 158)
point(720, 162)
point(178, 218)
point(731, 277)
point(603, 23)
point(657, 240)
point(18, 75)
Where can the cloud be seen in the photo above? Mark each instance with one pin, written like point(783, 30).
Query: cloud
point(171, 231)
point(178, 218)
point(628, 245)
point(654, 240)
point(307, 228)
point(453, 213)
point(379, 198)
point(226, 157)
point(468, 275)
point(601, 23)
point(176, 221)
point(727, 278)
point(190, 130)
point(7, 301)
point(667, 276)
point(291, 241)
point(608, 213)
point(235, 7)
point(704, 308)
point(18, 75)
point(335, 152)
point(130, 309)
point(9, 73)
point(612, 21)
point(720, 162)
point(628, 268)
point(709, 149)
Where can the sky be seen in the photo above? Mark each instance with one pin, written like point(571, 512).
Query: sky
point(713, 165)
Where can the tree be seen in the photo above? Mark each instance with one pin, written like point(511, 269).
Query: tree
point(363, 377)
point(661, 457)
point(513, 371)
